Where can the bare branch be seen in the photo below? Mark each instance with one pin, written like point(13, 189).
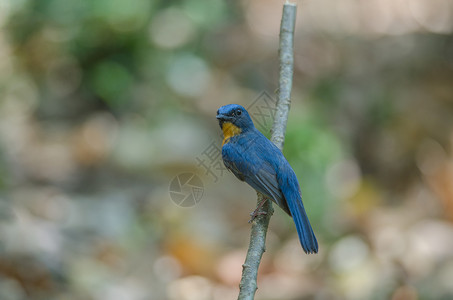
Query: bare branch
point(286, 54)
point(257, 246)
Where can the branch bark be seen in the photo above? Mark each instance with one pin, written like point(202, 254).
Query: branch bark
point(257, 246)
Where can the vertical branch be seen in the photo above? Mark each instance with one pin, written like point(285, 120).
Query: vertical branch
point(286, 55)
point(257, 244)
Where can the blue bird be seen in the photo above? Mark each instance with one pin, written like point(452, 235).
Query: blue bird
point(252, 158)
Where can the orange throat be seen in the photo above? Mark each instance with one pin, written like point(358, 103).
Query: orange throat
point(229, 130)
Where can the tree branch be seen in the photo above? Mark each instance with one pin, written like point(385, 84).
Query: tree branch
point(257, 244)
point(286, 55)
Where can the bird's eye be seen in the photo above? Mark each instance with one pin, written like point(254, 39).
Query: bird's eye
point(238, 112)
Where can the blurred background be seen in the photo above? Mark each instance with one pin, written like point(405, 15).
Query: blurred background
point(110, 182)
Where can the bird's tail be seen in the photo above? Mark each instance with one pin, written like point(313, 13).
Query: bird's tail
point(296, 207)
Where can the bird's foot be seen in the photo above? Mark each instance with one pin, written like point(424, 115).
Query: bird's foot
point(257, 211)
point(256, 214)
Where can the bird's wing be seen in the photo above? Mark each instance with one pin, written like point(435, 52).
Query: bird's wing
point(256, 171)
point(265, 181)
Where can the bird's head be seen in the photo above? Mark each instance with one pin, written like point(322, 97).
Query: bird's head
point(234, 115)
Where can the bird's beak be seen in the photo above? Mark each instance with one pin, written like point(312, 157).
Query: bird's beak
point(222, 117)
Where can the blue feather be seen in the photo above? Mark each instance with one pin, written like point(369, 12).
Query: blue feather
point(256, 160)
point(289, 186)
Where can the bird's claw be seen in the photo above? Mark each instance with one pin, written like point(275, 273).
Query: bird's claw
point(255, 214)
point(257, 211)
